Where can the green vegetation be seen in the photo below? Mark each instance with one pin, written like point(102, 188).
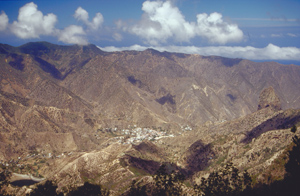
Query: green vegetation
point(49, 189)
point(281, 178)
point(230, 182)
point(137, 172)
point(89, 189)
point(227, 181)
point(165, 184)
point(294, 129)
point(292, 167)
point(221, 140)
point(4, 176)
point(221, 159)
point(246, 146)
point(46, 189)
point(268, 153)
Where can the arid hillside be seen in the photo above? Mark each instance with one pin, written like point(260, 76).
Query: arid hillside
point(144, 88)
point(75, 113)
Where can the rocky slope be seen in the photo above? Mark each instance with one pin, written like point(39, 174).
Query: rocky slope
point(145, 88)
point(76, 113)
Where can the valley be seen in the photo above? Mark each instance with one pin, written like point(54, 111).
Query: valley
point(76, 114)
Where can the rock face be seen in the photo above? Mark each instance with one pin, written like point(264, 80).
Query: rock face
point(268, 98)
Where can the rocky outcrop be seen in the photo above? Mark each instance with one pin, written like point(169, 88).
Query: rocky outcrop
point(268, 98)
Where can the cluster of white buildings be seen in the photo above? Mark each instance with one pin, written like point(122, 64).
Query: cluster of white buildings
point(186, 128)
point(4, 164)
point(11, 163)
point(137, 135)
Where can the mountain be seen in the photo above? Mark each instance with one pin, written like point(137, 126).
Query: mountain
point(145, 88)
point(76, 113)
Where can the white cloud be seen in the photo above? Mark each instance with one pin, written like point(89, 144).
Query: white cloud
point(276, 35)
point(73, 34)
point(82, 15)
point(216, 30)
point(292, 35)
point(32, 23)
point(270, 52)
point(162, 21)
point(3, 21)
point(117, 36)
point(114, 49)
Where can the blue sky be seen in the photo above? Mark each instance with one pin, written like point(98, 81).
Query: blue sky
point(255, 30)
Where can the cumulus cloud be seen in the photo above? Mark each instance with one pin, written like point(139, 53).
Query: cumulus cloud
point(82, 15)
point(32, 23)
point(270, 52)
point(3, 21)
point(216, 30)
point(162, 21)
point(73, 34)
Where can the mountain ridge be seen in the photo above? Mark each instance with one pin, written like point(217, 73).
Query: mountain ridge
point(76, 113)
point(155, 72)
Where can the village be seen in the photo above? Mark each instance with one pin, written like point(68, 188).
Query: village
point(135, 135)
point(30, 163)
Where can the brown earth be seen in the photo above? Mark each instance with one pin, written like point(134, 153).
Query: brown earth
point(64, 109)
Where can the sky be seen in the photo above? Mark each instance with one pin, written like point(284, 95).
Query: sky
point(259, 30)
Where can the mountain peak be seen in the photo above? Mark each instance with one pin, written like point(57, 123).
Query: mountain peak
point(36, 48)
point(152, 51)
point(268, 98)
